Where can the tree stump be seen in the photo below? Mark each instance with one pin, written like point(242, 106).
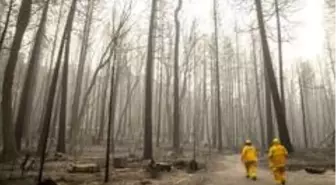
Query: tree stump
point(152, 169)
point(119, 162)
point(192, 166)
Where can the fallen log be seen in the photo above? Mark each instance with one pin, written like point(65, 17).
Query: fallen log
point(84, 168)
point(313, 170)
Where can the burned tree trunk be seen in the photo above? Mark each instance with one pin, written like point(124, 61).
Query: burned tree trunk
point(281, 120)
point(158, 131)
point(26, 101)
point(280, 53)
point(110, 130)
point(80, 70)
point(218, 100)
point(62, 120)
point(261, 120)
point(42, 145)
point(176, 132)
point(103, 105)
point(304, 124)
point(148, 143)
point(9, 143)
point(268, 110)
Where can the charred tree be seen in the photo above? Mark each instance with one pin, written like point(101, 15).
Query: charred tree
point(80, 70)
point(52, 91)
point(281, 120)
point(218, 100)
point(109, 127)
point(148, 143)
point(158, 130)
point(103, 105)
point(176, 132)
point(25, 107)
point(268, 108)
point(261, 120)
point(304, 124)
point(62, 120)
point(9, 143)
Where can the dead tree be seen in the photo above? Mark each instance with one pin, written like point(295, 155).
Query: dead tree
point(148, 143)
point(9, 144)
point(109, 127)
point(261, 120)
point(80, 69)
point(219, 110)
point(27, 95)
point(176, 132)
point(281, 120)
point(52, 91)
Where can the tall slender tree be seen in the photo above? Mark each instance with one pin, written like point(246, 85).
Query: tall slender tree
point(148, 143)
point(261, 120)
point(80, 70)
point(303, 110)
point(51, 94)
point(9, 150)
point(27, 96)
point(109, 126)
point(280, 54)
point(63, 111)
point(218, 100)
point(281, 120)
point(176, 132)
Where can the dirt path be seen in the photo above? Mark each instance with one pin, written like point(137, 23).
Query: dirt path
point(229, 171)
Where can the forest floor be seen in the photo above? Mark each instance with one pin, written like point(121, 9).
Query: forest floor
point(229, 171)
point(219, 169)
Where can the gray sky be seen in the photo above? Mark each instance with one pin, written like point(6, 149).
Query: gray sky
point(308, 35)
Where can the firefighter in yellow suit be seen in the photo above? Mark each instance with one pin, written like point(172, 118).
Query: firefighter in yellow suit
point(249, 157)
point(277, 155)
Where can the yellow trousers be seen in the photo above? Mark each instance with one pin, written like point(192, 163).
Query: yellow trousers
point(279, 174)
point(251, 169)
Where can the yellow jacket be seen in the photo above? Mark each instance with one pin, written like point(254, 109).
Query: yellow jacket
point(277, 156)
point(249, 154)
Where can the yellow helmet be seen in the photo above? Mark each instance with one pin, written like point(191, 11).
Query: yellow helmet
point(248, 141)
point(276, 141)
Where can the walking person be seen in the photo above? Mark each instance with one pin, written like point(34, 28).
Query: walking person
point(249, 157)
point(277, 156)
